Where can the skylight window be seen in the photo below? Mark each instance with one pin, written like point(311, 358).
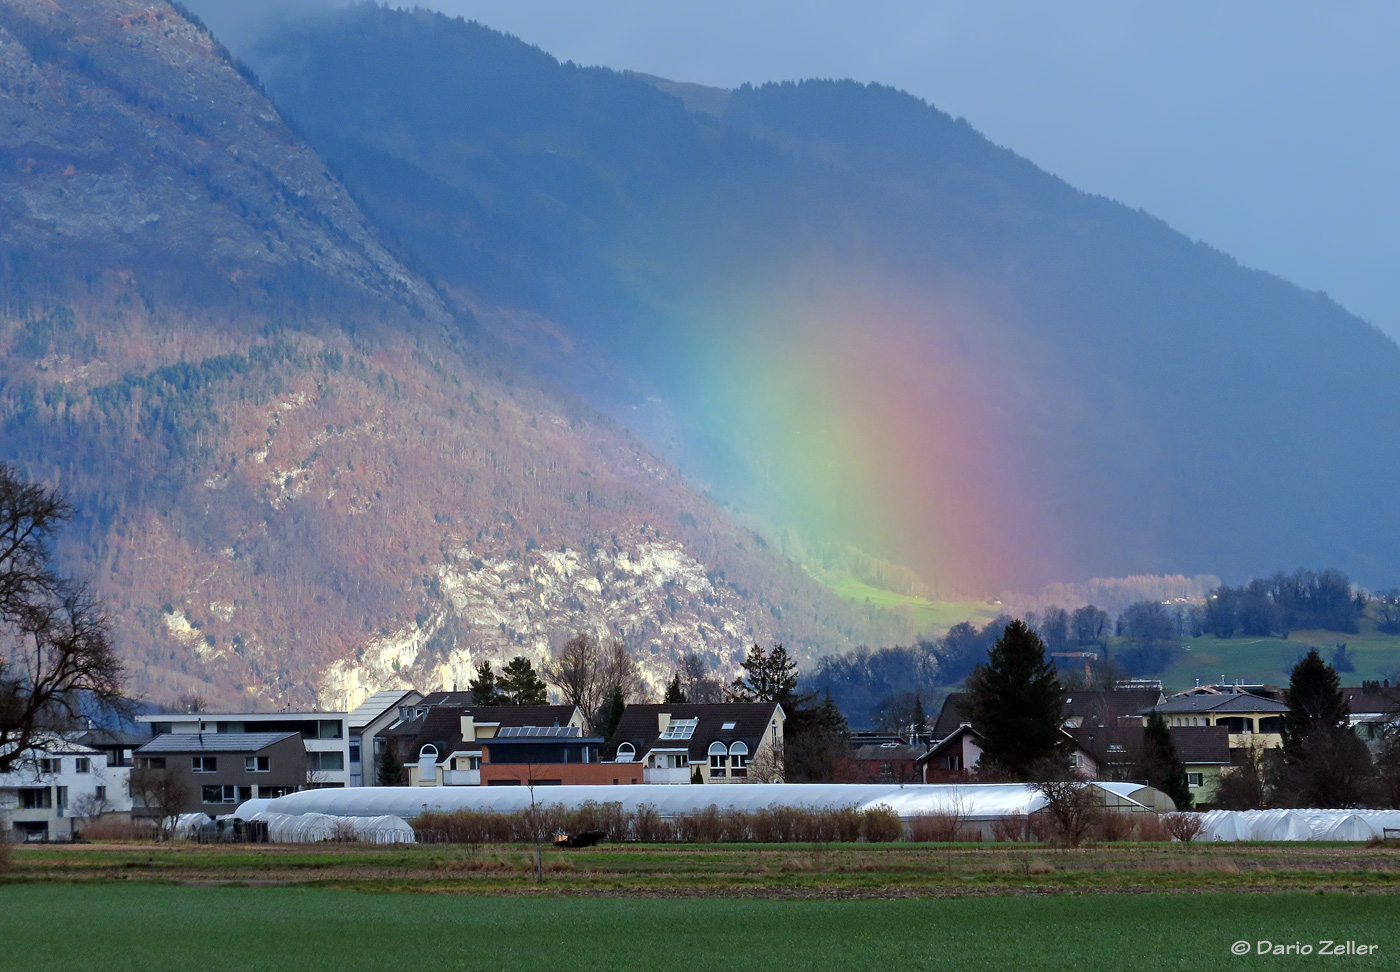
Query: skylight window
point(728, 725)
point(680, 729)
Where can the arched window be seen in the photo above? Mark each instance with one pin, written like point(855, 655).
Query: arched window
point(739, 758)
point(626, 753)
point(718, 757)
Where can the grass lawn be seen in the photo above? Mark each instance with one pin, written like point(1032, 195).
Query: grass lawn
point(813, 871)
point(1270, 660)
point(153, 928)
point(931, 618)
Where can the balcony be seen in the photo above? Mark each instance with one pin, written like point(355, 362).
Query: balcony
point(678, 774)
point(461, 777)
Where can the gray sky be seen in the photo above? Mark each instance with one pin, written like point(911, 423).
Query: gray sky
point(1267, 129)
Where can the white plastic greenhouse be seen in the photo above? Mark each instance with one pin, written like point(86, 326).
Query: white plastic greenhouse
point(1357, 825)
point(975, 803)
point(306, 828)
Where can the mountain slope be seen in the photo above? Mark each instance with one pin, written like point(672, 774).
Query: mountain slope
point(300, 477)
point(852, 316)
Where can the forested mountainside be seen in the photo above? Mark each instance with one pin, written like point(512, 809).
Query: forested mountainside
point(852, 316)
point(299, 475)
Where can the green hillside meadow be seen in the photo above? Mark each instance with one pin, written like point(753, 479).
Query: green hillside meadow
point(152, 928)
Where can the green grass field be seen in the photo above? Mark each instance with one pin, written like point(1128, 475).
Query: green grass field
point(153, 928)
point(931, 618)
point(1269, 660)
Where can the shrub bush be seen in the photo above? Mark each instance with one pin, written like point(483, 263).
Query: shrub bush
point(939, 828)
point(1184, 827)
point(881, 824)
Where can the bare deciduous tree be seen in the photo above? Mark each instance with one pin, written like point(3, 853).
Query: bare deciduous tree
point(164, 793)
point(1072, 806)
point(54, 637)
point(585, 672)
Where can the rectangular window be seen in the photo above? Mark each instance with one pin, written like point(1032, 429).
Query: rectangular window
point(257, 764)
point(329, 729)
point(47, 765)
point(36, 798)
point(83, 764)
point(100, 792)
point(727, 726)
point(717, 763)
point(204, 764)
point(152, 762)
point(326, 761)
point(245, 793)
point(740, 762)
point(62, 797)
point(219, 794)
point(271, 792)
point(354, 752)
point(1195, 779)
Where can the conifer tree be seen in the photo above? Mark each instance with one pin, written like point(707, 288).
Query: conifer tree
point(768, 677)
point(1315, 700)
point(1016, 702)
point(390, 770)
point(606, 720)
point(521, 685)
point(675, 695)
point(919, 721)
point(483, 687)
point(1159, 764)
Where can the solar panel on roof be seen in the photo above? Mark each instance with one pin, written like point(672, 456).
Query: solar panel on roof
point(530, 732)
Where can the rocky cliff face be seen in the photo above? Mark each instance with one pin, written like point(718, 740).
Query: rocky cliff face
point(299, 476)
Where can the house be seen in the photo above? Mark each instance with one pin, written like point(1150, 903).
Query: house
point(220, 770)
point(365, 724)
point(1252, 718)
point(326, 736)
point(879, 758)
point(58, 784)
point(446, 741)
point(114, 744)
point(1373, 707)
point(951, 759)
point(1116, 750)
point(722, 742)
point(1102, 709)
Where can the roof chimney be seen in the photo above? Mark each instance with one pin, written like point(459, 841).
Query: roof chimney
point(663, 719)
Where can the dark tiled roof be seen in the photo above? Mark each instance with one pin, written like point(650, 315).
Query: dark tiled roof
point(1202, 744)
point(441, 724)
point(1120, 745)
point(955, 711)
point(640, 726)
point(944, 744)
point(213, 742)
point(1384, 701)
point(109, 738)
point(1221, 702)
point(1104, 708)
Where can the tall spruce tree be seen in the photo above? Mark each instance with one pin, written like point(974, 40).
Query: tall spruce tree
point(1323, 763)
point(1017, 708)
point(675, 695)
point(1315, 700)
point(483, 687)
point(389, 772)
point(520, 684)
point(769, 676)
point(608, 717)
point(1159, 764)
